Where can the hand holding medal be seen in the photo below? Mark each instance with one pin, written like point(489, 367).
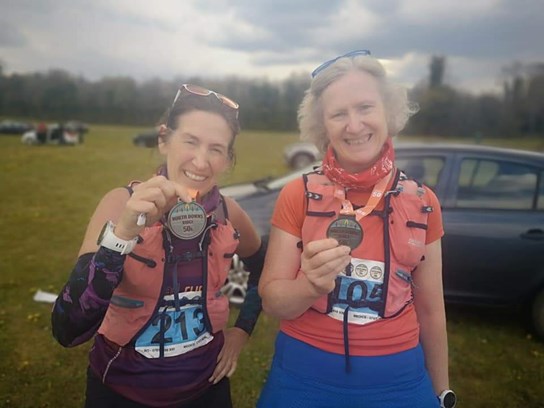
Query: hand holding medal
point(151, 199)
point(186, 219)
point(321, 262)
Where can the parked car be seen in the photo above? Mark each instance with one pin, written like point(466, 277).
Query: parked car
point(146, 139)
point(10, 127)
point(55, 133)
point(493, 212)
point(301, 154)
point(79, 127)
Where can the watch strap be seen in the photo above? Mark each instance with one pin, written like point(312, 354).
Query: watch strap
point(109, 240)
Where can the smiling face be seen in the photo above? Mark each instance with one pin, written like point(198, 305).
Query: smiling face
point(355, 120)
point(197, 152)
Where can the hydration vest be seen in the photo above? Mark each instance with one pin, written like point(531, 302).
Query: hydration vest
point(137, 297)
point(369, 290)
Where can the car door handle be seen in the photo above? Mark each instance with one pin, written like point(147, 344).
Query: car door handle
point(535, 234)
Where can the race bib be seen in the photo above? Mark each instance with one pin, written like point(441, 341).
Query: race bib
point(361, 290)
point(181, 330)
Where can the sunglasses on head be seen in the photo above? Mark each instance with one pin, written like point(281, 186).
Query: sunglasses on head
point(200, 91)
point(351, 54)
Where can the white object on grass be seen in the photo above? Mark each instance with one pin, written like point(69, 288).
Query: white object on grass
point(47, 297)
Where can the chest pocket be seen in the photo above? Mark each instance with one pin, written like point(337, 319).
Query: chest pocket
point(319, 196)
point(224, 241)
point(408, 228)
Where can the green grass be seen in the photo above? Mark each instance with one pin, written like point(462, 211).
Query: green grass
point(47, 196)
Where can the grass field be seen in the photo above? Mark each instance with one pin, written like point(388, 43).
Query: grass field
point(47, 195)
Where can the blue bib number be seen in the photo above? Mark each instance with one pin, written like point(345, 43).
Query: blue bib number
point(177, 331)
point(360, 293)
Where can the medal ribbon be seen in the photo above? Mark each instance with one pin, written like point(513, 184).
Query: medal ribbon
point(210, 199)
point(193, 193)
point(375, 197)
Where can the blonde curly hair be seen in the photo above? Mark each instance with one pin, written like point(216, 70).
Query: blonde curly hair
point(398, 108)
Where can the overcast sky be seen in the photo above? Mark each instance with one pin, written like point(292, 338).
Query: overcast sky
point(269, 38)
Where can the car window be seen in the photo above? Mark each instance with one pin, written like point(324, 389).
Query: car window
point(424, 169)
point(496, 185)
point(540, 202)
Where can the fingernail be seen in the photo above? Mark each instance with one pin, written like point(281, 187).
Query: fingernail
point(142, 218)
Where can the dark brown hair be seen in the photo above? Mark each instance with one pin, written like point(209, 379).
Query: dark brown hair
point(189, 103)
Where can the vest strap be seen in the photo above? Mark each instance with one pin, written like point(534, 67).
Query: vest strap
point(187, 256)
point(412, 224)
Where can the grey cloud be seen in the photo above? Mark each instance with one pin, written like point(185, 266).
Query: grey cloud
point(287, 24)
point(275, 13)
point(280, 14)
point(382, 7)
point(512, 31)
point(10, 35)
point(288, 33)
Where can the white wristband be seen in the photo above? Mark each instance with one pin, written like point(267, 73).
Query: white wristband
point(109, 240)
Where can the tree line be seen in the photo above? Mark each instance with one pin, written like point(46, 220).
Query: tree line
point(57, 95)
point(446, 111)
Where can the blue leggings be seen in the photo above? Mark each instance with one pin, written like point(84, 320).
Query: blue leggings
point(303, 376)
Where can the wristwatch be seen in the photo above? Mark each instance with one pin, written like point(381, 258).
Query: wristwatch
point(447, 399)
point(109, 240)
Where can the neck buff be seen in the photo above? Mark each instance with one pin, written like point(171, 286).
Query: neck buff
point(364, 179)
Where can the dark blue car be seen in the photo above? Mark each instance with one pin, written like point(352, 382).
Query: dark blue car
point(493, 212)
point(10, 127)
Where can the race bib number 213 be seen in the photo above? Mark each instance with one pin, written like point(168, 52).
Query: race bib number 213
point(180, 331)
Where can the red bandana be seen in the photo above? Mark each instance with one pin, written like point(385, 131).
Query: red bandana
point(364, 179)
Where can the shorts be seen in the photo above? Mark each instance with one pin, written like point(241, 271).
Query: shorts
point(99, 395)
point(302, 376)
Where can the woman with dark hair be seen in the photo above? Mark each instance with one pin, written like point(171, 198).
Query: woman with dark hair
point(353, 267)
point(153, 260)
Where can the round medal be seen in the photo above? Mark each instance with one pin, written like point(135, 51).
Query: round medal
point(346, 230)
point(187, 220)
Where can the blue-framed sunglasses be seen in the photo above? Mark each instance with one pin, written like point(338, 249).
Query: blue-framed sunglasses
point(200, 91)
point(351, 54)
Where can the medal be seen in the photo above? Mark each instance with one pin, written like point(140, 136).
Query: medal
point(187, 220)
point(346, 230)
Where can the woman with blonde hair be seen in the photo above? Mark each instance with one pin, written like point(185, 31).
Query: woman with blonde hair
point(353, 268)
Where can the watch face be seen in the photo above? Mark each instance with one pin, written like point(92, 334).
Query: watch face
point(449, 399)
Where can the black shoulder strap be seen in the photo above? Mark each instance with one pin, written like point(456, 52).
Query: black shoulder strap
point(129, 189)
point(222, 212)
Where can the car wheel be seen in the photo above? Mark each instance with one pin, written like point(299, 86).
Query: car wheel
point(236, 287)
point(537, 314)
point(151, 144)
point(301, 160)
